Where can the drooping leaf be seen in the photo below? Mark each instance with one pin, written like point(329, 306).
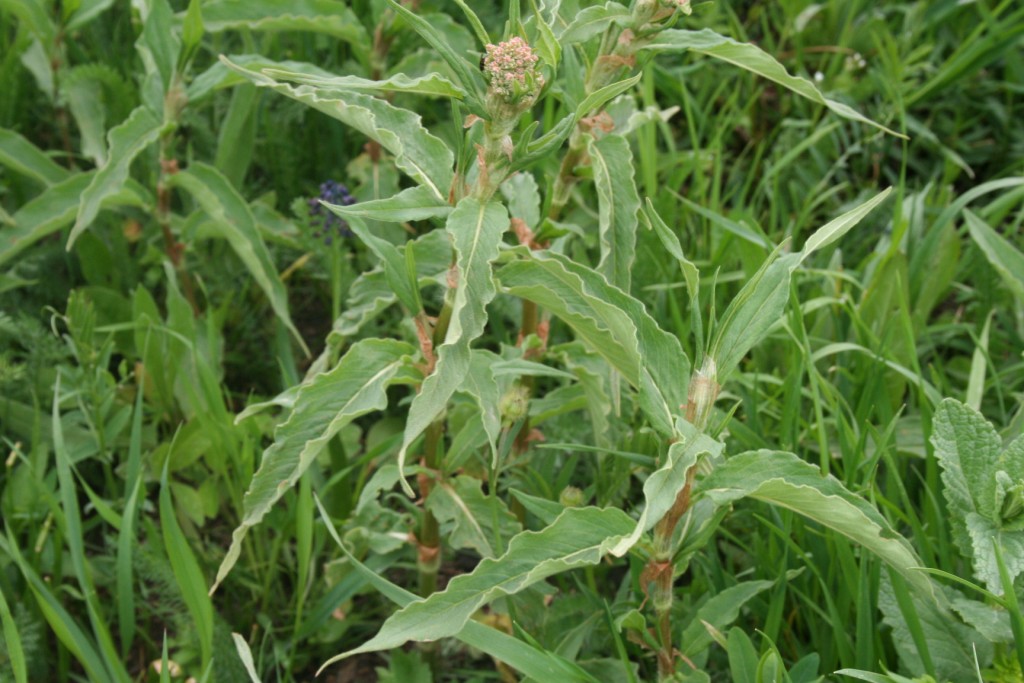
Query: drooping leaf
point(425, 158)
point(356, 386)
point(234, 222)
point(612, 323)
point(56, 208)
point(579, 537)
point(752, 58)
point(618, 204)
point(475, 229)
point(21, 156)
point(433, 84)
point(125, 142)
point(411, 204)
point(467, 516)
point(785, 480)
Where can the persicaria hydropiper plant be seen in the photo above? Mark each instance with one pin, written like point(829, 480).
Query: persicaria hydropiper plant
point(532, 202)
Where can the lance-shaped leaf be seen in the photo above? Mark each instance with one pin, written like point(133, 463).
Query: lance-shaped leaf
point(468, 516)
point(481, 385)
point(1004, 257)
point(758, 306)
point(125, 141)
point(594, 20)
point(425, 158)
point(21, 156)
point(159, 46)
point(580, 537)
point(432, 84)
point(754, 59)
point(665, 483)
point(356, 386)
point(475, 229)
point(56, 208)
point(610, 322)
point(411, 204)
point(401, 281)
point(331, 17)
point(785, 480)
point(618, 203)
point(233, 220)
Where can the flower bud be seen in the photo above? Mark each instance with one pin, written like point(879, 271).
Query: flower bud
point(703, 393)
point(511, 71)
point(571, 497)
point(514, 404)
point(681, 5)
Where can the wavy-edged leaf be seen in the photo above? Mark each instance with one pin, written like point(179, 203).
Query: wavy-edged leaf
point(610, 322)
point(475, 229)
point(356, 386)
point(234, 221)
point(401, 281)
point(368, 297)
point(425, 158)
point(56, 208)
point(537, 664)
point(125, 142)
point(468, 516)
point(21, 156)
point(754, 59)
point(665, 483)
point(1004, 257)
point(411, 204)
point(331, 17)
point(580, 537)
point(594, 20)
point(783, 479)
point(434, 85)
point(618, 204)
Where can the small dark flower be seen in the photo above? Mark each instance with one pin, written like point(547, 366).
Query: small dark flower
point(327, 224)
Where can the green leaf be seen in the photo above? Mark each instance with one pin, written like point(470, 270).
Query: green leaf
point(192, 26)
point(665, 483)
point(474, 22)
point(33, 15)
point(612, 323)
point(836, 228)
point(125, 141)
point(404, 287)
point(475, 229)
point(187, 573)
point(433, 84)
point(356, 386)
point(481, 384)
point(469, 76)
point(86, 11)
point(594, 20)
point(467, 516)
point(331, 17)
point(752, 58)
point(785, 480)
point(12, 642)
point(425, 158)
point(233, 221)
point(369, 296)
point(159, 44)
point(411, 204)
point(21, 156)
point(580, 537)
point(547, 45)
point(1004, 257)
point(245, 654)
point(535, 663)
point(618, 204)
point(56, 208)
point(719, 612)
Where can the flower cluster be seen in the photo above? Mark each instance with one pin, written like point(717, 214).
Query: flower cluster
point(328, 224)
point(511, 69)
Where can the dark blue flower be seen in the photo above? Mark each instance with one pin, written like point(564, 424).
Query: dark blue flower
point(325, 223)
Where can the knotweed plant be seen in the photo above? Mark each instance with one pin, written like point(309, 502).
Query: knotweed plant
point(530, 203)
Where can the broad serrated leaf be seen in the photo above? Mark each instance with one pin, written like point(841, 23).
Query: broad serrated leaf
point(1004, 257)
point(785, 480)
point(21, 156)
point(356, 386)
point(618, 204)
point(125, 142)
point(331, 17)
point(610, 322)
point(985, 534)
point(234, 222)
point(754, 59)
point(411, 204)
point(580, 537)
point(475, 229)
point(467, 516)
point(425, 158)
point(665, 483)
point(56, 208)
